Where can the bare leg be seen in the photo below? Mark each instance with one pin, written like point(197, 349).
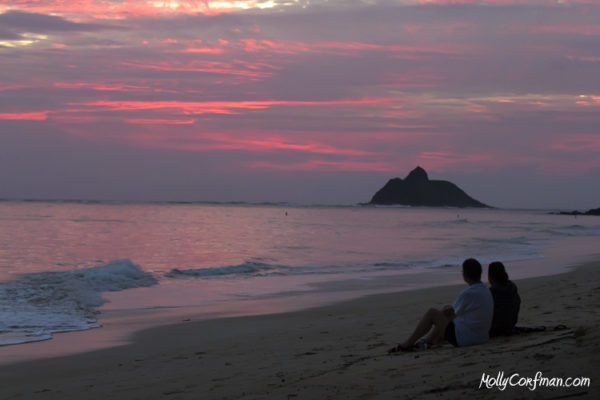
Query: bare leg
point(436, 336)
point(433, 318)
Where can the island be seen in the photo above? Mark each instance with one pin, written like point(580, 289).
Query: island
point(418, 190)
point(593, 211)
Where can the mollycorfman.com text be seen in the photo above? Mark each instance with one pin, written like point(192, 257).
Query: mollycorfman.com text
point(502, 381)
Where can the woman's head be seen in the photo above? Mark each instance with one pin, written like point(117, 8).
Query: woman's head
point(497, 274)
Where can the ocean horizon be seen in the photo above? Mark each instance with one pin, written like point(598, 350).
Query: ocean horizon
point(365, 204)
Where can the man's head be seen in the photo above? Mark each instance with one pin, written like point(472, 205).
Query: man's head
point(471, 271)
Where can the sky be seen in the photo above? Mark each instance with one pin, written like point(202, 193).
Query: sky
point(312, 102)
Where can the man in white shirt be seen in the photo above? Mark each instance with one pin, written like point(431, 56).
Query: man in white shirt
point(467, 322)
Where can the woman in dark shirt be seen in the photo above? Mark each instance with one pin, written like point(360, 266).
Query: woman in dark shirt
point(506, 300)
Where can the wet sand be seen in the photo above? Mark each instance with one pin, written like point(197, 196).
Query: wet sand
point(334, 352)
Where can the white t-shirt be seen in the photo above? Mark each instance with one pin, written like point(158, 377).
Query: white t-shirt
point(474, 309)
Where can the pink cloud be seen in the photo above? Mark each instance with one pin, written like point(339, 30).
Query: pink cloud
point(219, 107)
point(588, 101)
point(351, 47)
point(118, 9)
point(187, 136)
point(100, 86)
point(483, 2)
point(76, 119)
point(215, 67)
point(146, 8)
point(247, 141)
point(276, 143)
point(29, 116)
point(8, 86)
point(152, 121)
point(323, 165)
point(202, 50)
point(577, 143)
point(585, 29)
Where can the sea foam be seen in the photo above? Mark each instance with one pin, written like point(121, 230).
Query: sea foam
point(34, 306)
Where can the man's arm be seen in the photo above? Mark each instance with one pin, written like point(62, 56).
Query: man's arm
point(459, 304)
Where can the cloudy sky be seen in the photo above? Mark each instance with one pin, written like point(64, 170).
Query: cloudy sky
point(305, 101)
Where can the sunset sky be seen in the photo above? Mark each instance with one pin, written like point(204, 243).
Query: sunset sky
point(303, 101)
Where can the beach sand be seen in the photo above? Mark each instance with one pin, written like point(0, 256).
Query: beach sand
point(335, 352)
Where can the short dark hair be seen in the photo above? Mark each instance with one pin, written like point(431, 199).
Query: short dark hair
point(497, 273)
point(472, 269)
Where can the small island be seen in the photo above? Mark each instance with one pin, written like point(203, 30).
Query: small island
point(593, 211)
point(417, 190)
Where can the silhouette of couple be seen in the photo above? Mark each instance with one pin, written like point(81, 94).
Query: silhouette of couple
point(477, 312)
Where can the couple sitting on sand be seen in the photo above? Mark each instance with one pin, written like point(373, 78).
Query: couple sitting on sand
point(477, 312)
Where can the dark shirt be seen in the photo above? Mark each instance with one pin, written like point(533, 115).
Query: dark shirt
point(506, 308)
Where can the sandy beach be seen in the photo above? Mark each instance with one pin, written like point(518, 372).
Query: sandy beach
point(336, 352)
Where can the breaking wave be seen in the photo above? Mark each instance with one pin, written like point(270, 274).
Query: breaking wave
point(34, 306)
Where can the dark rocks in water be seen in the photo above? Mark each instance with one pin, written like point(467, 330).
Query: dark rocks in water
point(417, 190)
point(593, 211)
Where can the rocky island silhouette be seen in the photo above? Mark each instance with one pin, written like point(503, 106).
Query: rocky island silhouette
point(418, 190)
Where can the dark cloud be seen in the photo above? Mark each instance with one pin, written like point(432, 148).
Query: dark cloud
point(20, 21)
point(8, 35)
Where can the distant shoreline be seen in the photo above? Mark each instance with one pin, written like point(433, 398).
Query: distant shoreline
point(593, 211)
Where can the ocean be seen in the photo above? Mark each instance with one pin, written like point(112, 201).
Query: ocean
point(63, 265)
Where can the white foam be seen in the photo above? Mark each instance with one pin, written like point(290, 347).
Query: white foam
point(34, 306)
